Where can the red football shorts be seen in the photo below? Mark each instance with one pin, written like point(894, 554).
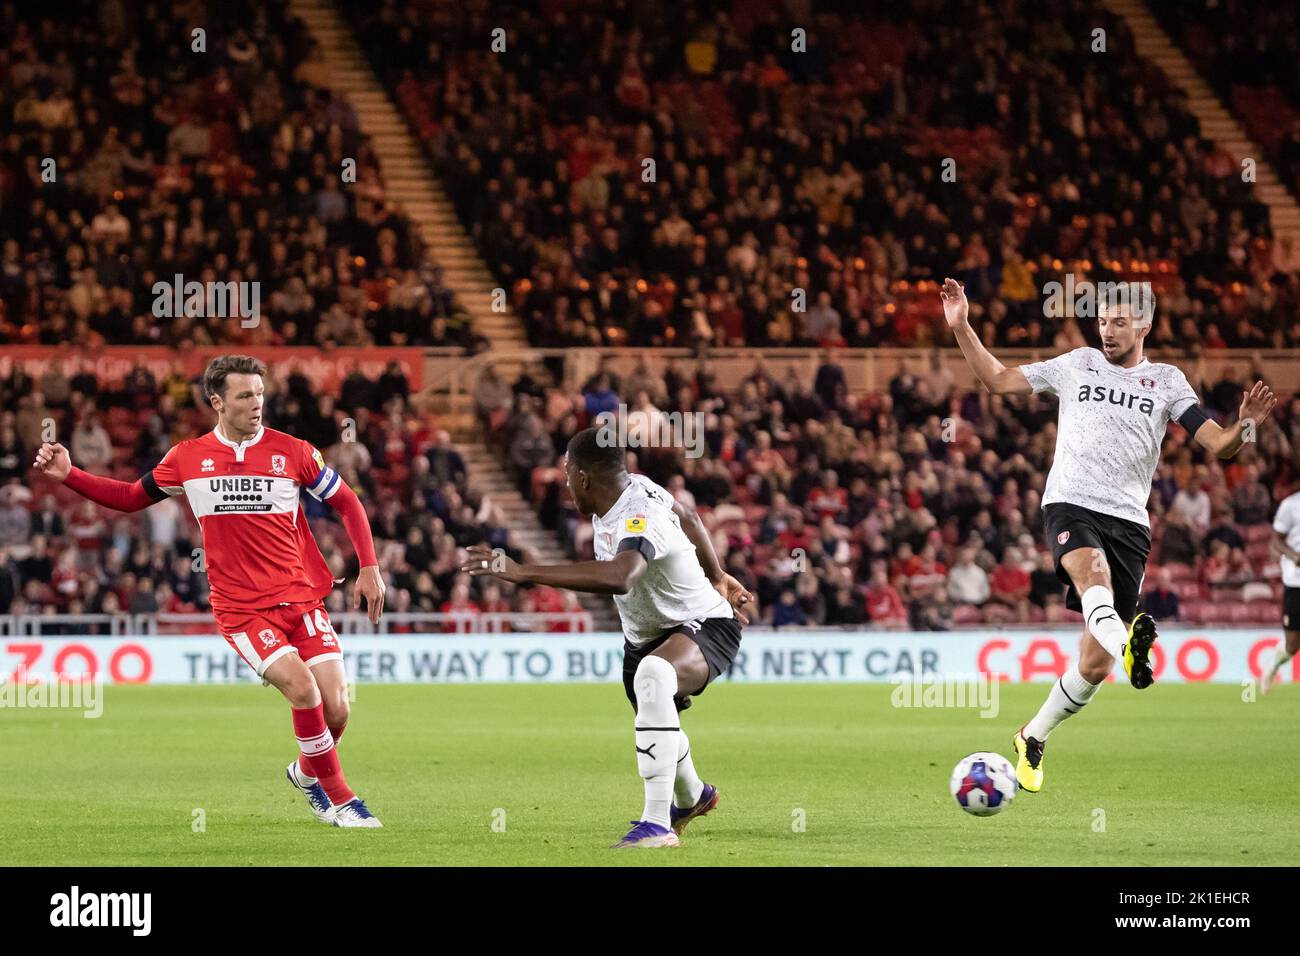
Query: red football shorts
point(263, 636)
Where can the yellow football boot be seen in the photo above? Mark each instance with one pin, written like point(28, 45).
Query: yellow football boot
point(1029, 761)
point(1137, 652)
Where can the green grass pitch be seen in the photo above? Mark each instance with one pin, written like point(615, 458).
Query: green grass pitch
point(1174, 775)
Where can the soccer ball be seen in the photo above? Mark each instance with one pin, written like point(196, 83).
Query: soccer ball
point(983, 784)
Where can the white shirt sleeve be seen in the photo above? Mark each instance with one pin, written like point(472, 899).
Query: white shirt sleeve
point(1284, 520)
point(1047, 376)
point(1181, 395)
point(642, 523)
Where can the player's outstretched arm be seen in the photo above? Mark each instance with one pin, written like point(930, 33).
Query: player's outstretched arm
point(53, 461)
point(1256, 405)
point(995, 376)
point(596, 577)
point(370, 583)
point(732, 590)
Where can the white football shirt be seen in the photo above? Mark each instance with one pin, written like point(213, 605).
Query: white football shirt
point(1287, 522)
point(674, 588)
point(1109, 429)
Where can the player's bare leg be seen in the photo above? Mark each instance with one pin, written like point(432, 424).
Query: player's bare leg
point(317, 757)
point(332, 680)
point(1090, 574)
point(1285, 651)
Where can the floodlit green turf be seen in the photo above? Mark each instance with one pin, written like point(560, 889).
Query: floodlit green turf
point(1182, 774)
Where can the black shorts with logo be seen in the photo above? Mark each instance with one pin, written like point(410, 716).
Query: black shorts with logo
point(1291, 608)
point(718, 639)
point(1126, 545)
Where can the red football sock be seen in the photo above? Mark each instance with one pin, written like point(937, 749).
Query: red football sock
point(318, 756)
point(337, 732)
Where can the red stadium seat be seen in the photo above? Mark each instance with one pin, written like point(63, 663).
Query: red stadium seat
point(1264, 612)
point(1259, 552)
point(1240, 613)
point(1257, 532)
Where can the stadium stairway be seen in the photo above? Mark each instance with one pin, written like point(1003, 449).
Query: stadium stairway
point(486, 474)
point(409, 178)
point(410, 184)
point(1217, 123)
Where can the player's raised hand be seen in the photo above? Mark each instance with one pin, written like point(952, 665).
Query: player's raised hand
point(736, 595)
point(480, 561)
point(955, 307)
point(53, 460)
point(370, 585)
point(1256, 404)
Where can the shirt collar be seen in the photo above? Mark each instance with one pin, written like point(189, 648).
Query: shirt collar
point(239, 447)
point(614, 507)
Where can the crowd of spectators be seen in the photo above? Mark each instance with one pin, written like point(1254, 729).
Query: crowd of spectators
point(62, 555)
point(128, 157)
point(918, 505)
point(794, 198)
point(824, 170)
point(1249, 53)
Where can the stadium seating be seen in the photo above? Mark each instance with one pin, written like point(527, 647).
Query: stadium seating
point(875, 443)
point(822, 172)
point(232, 174)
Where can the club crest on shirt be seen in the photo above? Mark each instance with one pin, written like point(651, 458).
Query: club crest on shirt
point(1147, 382)
point(636, 524)
point(1063, 537)
point(277, 464)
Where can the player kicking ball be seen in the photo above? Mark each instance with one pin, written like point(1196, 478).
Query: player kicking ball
point(680, 631)
point(1114, 406)
point(243, 482)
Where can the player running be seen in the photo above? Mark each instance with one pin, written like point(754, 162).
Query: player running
point(243, 482)
point(1114, 406)
point(1286, 544)
point(652, 555)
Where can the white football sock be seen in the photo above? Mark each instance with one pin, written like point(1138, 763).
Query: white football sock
point(304, 778)
point(688, 786)
point(1102, 620)
point(1281, 656)
point(1068, 696)
point(657, 730)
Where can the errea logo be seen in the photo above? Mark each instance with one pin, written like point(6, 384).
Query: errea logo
point(103, 909)
point(208, 464)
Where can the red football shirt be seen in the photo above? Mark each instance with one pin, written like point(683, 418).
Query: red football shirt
point(257, 547)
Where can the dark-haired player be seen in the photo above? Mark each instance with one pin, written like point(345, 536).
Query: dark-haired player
point(652, 555)
point(244, 481)
point(1115, 405)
